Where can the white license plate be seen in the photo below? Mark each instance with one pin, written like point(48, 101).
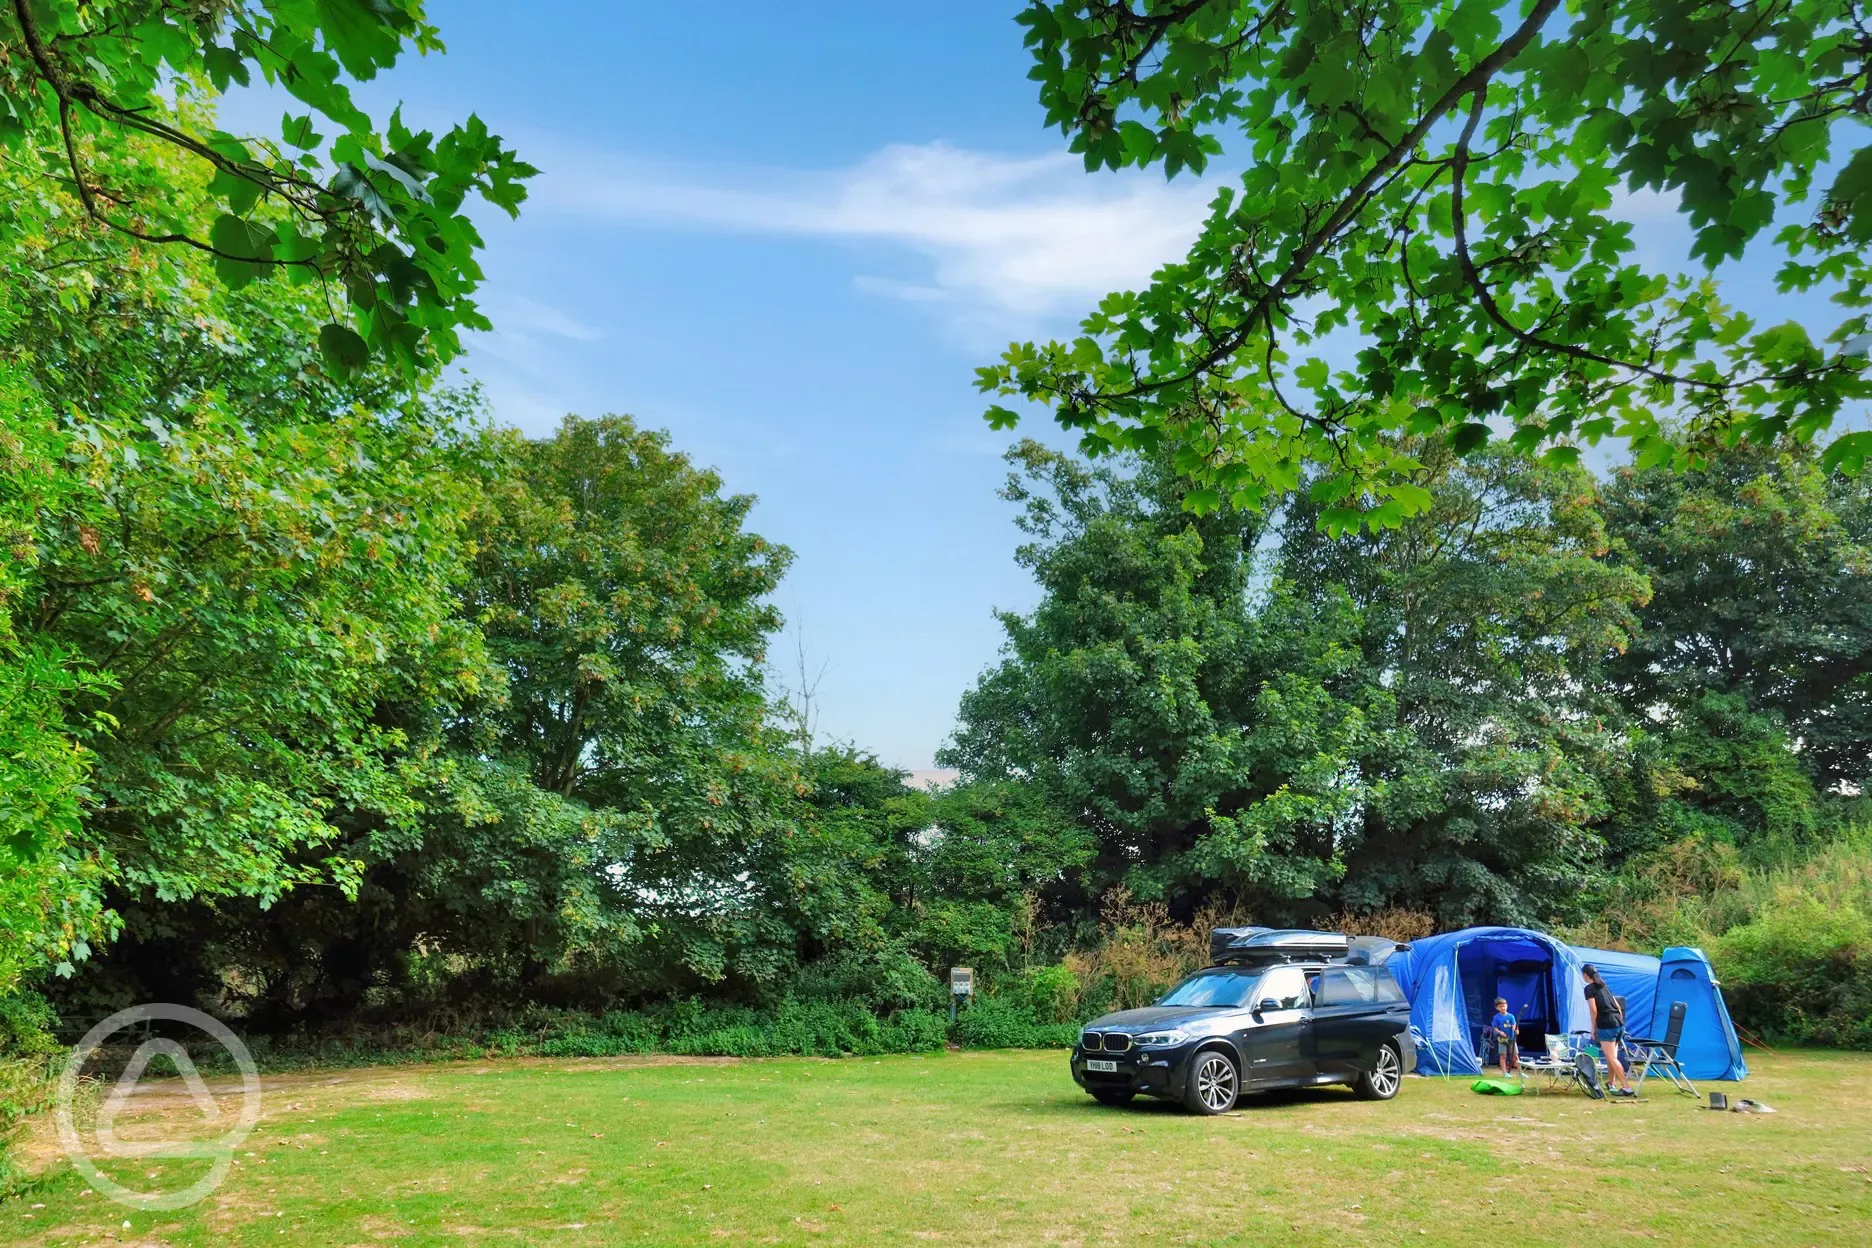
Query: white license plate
point(1106, 1068)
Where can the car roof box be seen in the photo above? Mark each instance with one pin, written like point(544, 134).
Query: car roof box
point(1220, 938)
point(1264, 944)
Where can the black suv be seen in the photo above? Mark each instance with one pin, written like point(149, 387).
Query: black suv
point(1280, 1009)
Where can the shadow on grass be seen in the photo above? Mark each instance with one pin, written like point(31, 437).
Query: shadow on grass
point(1070, 1105)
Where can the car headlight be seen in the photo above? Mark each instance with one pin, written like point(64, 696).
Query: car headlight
point(1161, 1039)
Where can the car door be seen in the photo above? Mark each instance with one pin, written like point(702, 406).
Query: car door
point(1276, 1037)
point(1342, 1030)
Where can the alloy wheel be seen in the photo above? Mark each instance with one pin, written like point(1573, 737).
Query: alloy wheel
point(1385, 1072)
point(1215, 1083)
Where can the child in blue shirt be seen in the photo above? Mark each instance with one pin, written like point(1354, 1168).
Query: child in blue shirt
point(1503, 1038)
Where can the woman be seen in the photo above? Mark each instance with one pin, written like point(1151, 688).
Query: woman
point(1608, 1028)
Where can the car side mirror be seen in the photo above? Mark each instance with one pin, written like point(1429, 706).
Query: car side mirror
point(1267, 1003)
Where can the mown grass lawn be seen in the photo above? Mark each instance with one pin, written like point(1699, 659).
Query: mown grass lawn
point(993, 1148)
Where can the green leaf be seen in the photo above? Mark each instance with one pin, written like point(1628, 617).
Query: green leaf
point(292, 247)
point(1468, 438)
point(1852, 189)
point(408, 181)
point(1202, 502)
point(343, 350)
point(224, 65)
point(1567, 69)
point(1847, 453)
point(240, 238)
point(241, 193)
point(359, 33)
point(299, 133)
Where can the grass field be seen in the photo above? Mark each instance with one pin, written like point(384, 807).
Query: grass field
point(987, 1148)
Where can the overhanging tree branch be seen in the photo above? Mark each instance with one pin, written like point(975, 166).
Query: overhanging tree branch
point(1352, 202)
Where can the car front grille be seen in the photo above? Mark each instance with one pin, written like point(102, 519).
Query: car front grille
point(1091, 1042)
point(1109, 1042)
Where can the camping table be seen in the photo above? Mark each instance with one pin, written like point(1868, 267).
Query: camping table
point(1557, 1072)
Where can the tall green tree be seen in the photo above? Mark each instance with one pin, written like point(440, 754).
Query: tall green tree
point(234, 572)
point(1123, 694)
point(1752, 670)
point(621, 593)
point(1406, 717)
point(50, 909)
point(1443, 190)
point(606, 813)
point(1483, 625)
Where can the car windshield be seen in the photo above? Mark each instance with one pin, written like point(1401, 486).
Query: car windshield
point(1218, 989)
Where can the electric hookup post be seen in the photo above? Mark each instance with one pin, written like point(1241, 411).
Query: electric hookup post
point(961, 984)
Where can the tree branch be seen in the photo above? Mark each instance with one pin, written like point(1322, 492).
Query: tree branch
point(1353, 201)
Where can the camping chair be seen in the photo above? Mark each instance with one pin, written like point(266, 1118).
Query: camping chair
point(1662, 1054)
point(1581, 1062)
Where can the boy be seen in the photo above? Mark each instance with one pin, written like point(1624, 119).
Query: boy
point(1504, 1039)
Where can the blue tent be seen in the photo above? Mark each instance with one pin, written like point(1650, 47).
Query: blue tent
point(1709, 1048)
point(1452, 981)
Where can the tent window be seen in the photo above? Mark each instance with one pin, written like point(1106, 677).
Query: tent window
point(1681, 973)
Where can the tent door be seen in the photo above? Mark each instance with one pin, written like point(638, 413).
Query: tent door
point(1527, 986)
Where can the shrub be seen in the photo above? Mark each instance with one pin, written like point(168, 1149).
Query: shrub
point(1142, 953)
point(997, 1023)
point(886, 979)
point(26, 1086)
point(1392, 922)
point(1802, 973)
point(26, 1023)
point(1051, 993)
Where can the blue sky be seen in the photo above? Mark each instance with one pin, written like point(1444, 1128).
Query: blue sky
point(788, 234)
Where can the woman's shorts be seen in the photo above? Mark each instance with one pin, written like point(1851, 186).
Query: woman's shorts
point(1609, 1035)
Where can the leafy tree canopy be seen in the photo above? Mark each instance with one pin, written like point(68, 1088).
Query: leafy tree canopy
point(1761, 566)
point(628, 608)
point(374, 214)
point(232, 594)
point(1436, 189)
point(1299, 724)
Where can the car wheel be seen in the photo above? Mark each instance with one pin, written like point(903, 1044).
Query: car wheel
point(1380, 1083)
point(1113, 1096)
point(1214, 1083)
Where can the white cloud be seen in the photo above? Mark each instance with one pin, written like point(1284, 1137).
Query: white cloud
point(520, 315)
point(531, 337)
point(1015, 237)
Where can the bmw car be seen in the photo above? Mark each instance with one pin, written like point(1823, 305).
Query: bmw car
point(1282, 1014)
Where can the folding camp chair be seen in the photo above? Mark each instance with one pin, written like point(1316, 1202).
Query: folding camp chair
point(1644, 1055)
